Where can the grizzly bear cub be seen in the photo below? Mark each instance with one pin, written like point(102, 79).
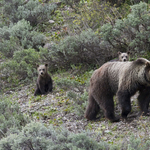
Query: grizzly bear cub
point(122, 79)
point(44, 82)
point(123, 56)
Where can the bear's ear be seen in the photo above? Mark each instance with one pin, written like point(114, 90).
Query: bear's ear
point(37, 65)
point(119, 53)
point(148, 64)
point(140, 61)
point(129, 53)
point(46, 65)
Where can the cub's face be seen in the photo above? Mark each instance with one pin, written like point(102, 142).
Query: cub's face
point(42, 69)
point(123, 56)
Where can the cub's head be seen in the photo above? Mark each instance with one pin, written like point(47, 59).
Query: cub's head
point(123, 56)
point(42, 69)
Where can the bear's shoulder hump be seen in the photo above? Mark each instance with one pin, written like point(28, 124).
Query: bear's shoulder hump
point(140, 61)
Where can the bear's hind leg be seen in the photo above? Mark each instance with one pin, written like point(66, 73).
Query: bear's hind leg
point(92, 108)
point(124, 100)
point(108, 107)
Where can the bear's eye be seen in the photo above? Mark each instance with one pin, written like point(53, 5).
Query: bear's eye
point(39, 69)
point(126, 56)
point(43, 69)
point(122, 56)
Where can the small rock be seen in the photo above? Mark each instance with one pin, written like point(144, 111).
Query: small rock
point(51, 21)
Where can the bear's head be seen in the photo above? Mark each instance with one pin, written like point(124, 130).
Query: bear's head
point(42, 69)
point(143, 68)
point(147, 72)
point(123, 56)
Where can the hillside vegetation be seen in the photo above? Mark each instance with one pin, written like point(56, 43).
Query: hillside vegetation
point(74, 37)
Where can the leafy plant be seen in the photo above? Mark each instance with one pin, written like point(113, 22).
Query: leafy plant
point(11, 118)
point(92, 14)
point(80, 49)
point(32, 11)
point(37, 136)
point(19, 36)
point(22, 67)
point(131, 33)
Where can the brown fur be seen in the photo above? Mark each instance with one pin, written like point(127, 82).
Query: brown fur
point(123, 56)
point(44, 82)
point(144, 99)
point(123, 79)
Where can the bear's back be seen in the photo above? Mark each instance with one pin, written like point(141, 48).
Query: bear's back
point(116, 71)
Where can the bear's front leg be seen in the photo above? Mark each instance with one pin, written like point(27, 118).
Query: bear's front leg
point(37, 92)
point(124, 100)
point(50, 86)
point(143, 100)
point(42, 89)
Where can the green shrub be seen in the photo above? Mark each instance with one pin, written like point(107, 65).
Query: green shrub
point(22, 67)
point(32, 11)
point(10, 117)
point(91, 14)
point(136, 144)
point(133, 2)
point(131, 33)
point(80, 49)
point(19, 36)
point(37, 136)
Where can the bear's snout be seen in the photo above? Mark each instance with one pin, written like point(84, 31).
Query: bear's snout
point(42, 73)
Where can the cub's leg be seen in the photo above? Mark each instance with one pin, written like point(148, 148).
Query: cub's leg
point(37, 92)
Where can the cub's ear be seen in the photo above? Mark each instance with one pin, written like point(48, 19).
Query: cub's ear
point(46, 65)
point(37, 65)
point(119, 53)
point(129, 53)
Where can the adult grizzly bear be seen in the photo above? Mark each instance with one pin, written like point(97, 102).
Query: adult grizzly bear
point(44, 82)
point(123, 79)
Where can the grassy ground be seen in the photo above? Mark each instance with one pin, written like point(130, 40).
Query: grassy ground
point(66, 105)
